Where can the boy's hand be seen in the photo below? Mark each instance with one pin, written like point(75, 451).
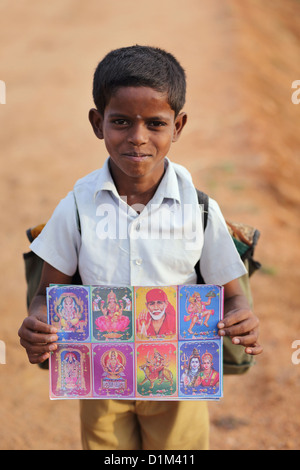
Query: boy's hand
point(239, 321)
point(37, 337)
point(243, 328)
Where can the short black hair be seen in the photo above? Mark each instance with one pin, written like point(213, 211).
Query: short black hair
point(140, 66)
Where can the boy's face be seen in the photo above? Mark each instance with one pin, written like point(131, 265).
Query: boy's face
point(138, 127)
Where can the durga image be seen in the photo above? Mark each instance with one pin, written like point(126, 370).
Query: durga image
point(156, 369)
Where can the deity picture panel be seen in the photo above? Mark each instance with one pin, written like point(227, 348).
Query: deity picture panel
point(113, 370)
point(200, 369)
point(156, 370)
point(68, 310)
point(200, 310)
point(112, 314)
point(70, 371)
point(155, 313)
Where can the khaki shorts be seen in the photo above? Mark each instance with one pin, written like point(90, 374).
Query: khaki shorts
point(144, 425)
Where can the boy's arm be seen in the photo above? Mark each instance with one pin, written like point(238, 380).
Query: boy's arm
point(36, 336)
point(239, 321)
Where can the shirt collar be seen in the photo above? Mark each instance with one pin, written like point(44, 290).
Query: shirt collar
point(167, 189)
point(105, 181)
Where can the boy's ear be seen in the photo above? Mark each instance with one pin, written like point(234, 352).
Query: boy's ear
point(180, 122)
point(96, 120)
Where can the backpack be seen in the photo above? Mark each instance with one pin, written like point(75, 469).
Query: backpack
point(245, 238)
point(235, 360)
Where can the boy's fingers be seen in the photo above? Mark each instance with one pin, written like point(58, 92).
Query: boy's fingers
point(38, 359)
point(247, 340)
point(37, 349)
point(38, 324)
point(242, 328)
point(233, 318)
point(237, 318)
point(37, 331)
point(38, 338)
point(254, 350)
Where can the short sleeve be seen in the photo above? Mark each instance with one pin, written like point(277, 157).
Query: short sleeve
point(220, 261)
point(59, 242)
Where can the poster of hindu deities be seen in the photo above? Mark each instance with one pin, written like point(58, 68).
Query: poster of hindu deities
point(68, 310)
point(112, 313)
point(135, 342)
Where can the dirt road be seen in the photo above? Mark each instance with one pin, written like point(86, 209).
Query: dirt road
point(241, 145)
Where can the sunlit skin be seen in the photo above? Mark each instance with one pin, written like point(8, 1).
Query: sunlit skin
point(138, 128)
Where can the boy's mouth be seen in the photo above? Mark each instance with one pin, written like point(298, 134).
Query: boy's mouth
point(135, 156)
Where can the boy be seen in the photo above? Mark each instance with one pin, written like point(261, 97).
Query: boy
point(136, 228)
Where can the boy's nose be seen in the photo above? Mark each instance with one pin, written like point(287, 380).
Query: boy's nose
point(138, 135)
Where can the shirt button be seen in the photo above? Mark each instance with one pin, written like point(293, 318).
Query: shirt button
point(138, 261)
point(138, 227)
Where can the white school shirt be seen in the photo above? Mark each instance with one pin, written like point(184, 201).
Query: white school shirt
point(155, 245)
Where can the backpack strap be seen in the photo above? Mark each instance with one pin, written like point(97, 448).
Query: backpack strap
point(77, 214)
point(203, 200)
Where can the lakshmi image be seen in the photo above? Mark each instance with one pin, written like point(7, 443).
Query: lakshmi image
point(197, 312)
point(68, 310)
point(210, 377)
point(113, 363)
point(192, 374)
point(112, 319)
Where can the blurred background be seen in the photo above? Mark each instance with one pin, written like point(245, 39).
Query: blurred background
point(241, 145)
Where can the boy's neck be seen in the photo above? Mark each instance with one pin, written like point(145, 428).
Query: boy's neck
point(136, 190)
point(139, 194)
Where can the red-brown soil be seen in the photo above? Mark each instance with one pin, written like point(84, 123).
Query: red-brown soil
point(241, 144)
